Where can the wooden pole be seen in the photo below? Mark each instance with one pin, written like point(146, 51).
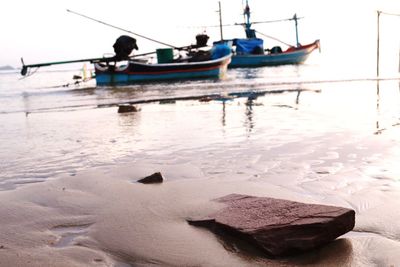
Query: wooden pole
point(24, 69)
point(377, 44)
point(378, 41)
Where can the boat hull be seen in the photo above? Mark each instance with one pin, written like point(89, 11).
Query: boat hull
point(136, 72)
point(291, 56)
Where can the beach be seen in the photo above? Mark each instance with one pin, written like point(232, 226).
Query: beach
point(326, 131)
point(70, 165)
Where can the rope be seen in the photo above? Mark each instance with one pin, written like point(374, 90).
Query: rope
point(121, 29)
point(389, 14)
point(273, 38)
point(273, 21)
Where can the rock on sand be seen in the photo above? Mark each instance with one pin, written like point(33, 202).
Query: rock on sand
point(277, 226)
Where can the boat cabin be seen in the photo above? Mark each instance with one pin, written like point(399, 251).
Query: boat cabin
point(253, 46)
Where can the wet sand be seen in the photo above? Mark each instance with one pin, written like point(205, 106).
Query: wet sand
point(103, 217)
point(70, 198)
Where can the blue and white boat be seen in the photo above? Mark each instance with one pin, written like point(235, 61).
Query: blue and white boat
point(249, 57)
point(125, 69)
point(212, 64)
point(250, 52)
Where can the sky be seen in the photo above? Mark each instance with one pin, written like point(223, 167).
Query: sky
point(43, 31)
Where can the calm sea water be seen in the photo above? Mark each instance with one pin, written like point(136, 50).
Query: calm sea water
point(48, 125)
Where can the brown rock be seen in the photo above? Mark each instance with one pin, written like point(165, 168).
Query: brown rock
point(277, 226)
point(167, 101)
point(152, 179)
point(127, 108)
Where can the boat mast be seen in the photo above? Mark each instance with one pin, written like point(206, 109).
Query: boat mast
point(246, 14)
point(250, 33)
point(297, 31)
point(220, 20)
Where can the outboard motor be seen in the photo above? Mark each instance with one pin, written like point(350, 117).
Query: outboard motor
point(123, 47)
point(201, 40)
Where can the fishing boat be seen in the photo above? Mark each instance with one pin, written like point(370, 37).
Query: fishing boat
point(250, 52)
point(273, 57)
point(125, 69)
point(196, 61)
point(212, 64)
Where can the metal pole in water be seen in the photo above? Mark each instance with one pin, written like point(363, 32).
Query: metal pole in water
point(377, 45)
point(399, 59)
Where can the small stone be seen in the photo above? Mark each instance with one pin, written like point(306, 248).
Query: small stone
point(206, 99)
point(152, 179)
point(167, 101)
point(127, 108)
